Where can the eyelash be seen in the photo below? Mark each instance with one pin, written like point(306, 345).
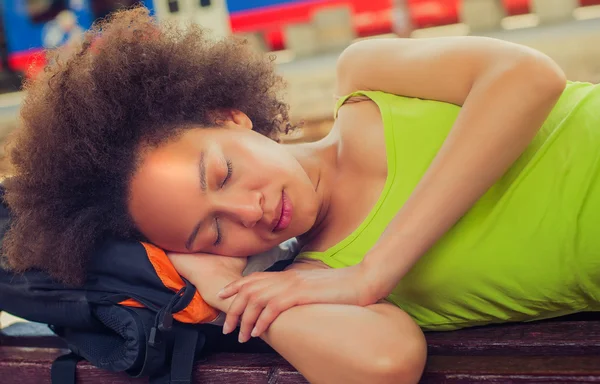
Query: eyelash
point(229, 172)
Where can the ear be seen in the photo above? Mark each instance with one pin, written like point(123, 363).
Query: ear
point(232, 117)
point(241, 119)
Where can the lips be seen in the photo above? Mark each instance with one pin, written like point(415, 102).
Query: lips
point(284, 209)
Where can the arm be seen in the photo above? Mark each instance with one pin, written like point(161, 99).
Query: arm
point(506, 92)
point(327, 343)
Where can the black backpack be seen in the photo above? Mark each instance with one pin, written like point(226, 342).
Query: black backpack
point(134, 314)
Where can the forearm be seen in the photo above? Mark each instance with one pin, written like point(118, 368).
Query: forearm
point(330, 343)
point(502, 113)
point(209, 288)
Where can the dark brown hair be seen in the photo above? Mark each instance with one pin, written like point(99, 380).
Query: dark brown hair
point(131, 81)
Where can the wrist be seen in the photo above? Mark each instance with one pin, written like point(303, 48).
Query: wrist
point(375, 287)
point(209, 288)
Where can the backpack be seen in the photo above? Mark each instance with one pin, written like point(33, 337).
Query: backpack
point(134, 314)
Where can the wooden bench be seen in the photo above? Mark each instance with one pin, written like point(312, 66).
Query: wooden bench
point(559, 351)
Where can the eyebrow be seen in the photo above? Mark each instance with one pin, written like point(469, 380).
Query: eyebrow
point(203, 188)
point(203, 185)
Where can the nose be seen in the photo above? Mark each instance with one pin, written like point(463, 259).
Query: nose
point(246, 207)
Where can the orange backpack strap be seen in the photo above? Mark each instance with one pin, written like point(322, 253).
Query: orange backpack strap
point(198, 311)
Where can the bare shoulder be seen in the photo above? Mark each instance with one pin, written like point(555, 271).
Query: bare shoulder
point(357, 64)
point(350, 64)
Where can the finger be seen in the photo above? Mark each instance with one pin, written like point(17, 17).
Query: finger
point(264, 293)
point(271, 311)
point(257, 295)
point(239, 303)
point(249, 317)
point(233, 314)
point(234, 287)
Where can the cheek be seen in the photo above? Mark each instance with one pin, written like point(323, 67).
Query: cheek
point(272, 170)
point(262, 157)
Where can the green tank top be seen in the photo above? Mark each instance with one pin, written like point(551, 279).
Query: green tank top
point(528, 249)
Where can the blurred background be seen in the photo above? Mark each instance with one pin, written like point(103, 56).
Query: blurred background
point(306, 36)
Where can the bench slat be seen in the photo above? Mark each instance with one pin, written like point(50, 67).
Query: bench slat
point(512, 369)
point(32, 366)
point(566, 351)
point(541, 338)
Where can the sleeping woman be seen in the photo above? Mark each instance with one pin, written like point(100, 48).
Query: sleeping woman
point(459, 186)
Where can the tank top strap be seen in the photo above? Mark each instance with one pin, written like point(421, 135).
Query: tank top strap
point(368, 95)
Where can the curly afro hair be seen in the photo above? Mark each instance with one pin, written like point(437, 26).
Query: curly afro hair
point(130, 82)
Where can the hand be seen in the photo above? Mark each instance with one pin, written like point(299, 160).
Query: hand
point(261, 297)
point(208, 273)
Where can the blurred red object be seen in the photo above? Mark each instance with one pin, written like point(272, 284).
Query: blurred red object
point(371, 17)
point(429, 13)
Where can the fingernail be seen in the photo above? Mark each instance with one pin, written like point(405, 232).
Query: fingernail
point(221, 293)
point(254, 332)
point(226, 329)
point(241, 338)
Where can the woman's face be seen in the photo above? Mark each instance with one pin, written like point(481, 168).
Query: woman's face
point(226, 190)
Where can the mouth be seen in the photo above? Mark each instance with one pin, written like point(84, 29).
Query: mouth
point(285, 213)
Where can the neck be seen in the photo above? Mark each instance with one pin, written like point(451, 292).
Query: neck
point(319, 160)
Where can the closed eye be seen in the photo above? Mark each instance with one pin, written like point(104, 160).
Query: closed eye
point(218, 230)
point(229, 172)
